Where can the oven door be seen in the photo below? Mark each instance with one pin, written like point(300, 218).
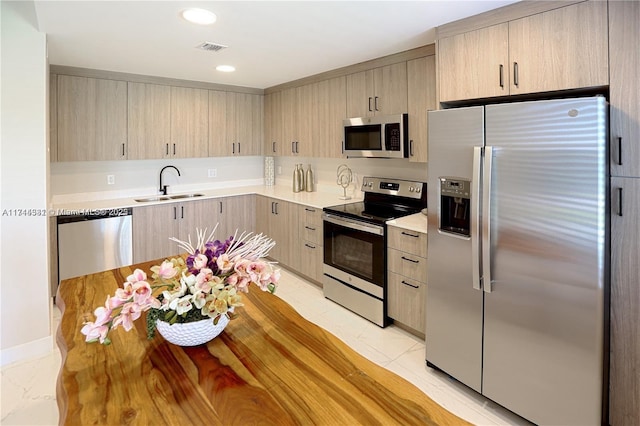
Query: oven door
point(356, 249)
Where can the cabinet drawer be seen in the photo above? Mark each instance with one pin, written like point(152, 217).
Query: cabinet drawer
point(311, 233)
point(406, 301)
point(311, 216)
point(408, 241)
point(408, 265)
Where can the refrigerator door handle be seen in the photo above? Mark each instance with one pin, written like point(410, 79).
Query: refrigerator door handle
point(475, 217)
point(486, 219)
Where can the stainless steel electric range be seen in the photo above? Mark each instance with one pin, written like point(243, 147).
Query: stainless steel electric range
point(355, 244)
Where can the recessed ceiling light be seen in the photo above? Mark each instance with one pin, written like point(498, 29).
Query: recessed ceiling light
point(226, 68)
point(199, 16)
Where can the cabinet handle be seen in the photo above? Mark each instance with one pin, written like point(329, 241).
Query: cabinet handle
point(620, 202)
point(370, 104)
point(375, 104)
point(342, 147)
point(293, 149)
point(410, 260)
point(310, 210)
point(123, 150)
point(167, 149)
point(297, 147)
point(309, 228)
point(272, 207)
point(619, 151)
point(181, 212)
point(238, 147)
point(277, 208)
point(410, 285)
point(233, 149)
point(220, 207)
point(502, 76)
point(310, 246)
point(411, 147)
point(175, 213)
point(410, 235)
point(515, 74)
point(174, 149)
point(273, 147)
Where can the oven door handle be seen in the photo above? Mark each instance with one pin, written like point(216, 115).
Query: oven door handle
point(353, 224)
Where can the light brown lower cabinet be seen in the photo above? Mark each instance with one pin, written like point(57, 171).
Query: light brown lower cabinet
point(407, 278)
point(278, 219)
point(624, 384)
point(310, 242)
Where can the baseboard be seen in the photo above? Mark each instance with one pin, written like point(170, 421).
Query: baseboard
point(36, 349)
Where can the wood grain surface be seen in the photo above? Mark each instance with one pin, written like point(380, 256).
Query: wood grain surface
point(269, 366)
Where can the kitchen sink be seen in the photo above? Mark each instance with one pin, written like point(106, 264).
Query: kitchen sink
point(177, 197)
point(166, 198)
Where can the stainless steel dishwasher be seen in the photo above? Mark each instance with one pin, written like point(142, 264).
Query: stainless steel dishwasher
point(94, 242)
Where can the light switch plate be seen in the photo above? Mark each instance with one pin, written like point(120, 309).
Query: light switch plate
point(111, 179)
point(212, 173)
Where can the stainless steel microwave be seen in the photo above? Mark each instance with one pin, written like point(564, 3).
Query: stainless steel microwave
point(382, 136)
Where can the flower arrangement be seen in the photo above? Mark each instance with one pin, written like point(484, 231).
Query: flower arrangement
point(207, 285)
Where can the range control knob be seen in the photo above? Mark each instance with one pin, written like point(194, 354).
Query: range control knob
point(411, 189)
point(418, 189)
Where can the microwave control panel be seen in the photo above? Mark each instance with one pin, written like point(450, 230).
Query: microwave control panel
point(392, 137)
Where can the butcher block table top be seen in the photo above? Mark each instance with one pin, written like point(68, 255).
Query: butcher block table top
point(269, 366)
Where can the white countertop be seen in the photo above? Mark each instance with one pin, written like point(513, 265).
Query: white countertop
point(311, 199)
point(415, 222)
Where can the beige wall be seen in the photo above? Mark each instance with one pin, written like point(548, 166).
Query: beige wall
point(25, 302)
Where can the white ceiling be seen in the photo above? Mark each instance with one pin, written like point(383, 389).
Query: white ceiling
point(270, 42)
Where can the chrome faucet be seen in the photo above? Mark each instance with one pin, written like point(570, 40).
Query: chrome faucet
point(163, 189)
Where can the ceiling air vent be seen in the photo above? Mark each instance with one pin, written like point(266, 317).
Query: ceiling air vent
point(211, 47)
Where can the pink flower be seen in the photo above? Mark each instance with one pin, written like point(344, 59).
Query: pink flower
point(142, 293)
point(129, 313)
point(200, 261)
point(94, 331)
point(138, 275)
point(224, 264)
point(166, 270)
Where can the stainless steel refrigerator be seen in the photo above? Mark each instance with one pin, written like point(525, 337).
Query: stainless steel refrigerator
point(517, 255)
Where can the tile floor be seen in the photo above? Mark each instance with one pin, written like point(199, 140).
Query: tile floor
point(28, 388)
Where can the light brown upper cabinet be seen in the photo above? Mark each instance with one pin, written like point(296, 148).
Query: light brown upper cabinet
point(472, 65)
point(167, 122)
point(421, 77)
point(273, 143)
point(307, 120)
point(289, 98)
point(218, 143)
point(189, 123)
point(331, 111)
point(624, 88)
point(377, 91)
point(149, 121)
point(243, 111)
point(91, 119)
point(564, 48)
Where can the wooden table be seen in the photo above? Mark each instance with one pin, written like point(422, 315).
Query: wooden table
point(269, 366)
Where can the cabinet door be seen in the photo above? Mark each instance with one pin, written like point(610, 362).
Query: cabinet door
point(332, 110)
point(263, 206)
point(152, 226)
point(474, 64)
point(242, 110)
point(311, 260)
point(307, 104)
point(421, 82)
point(390, 89)
point(92, 119)
point(193, 215)
point(257, 123)
point(236, 214)
point(218, 146)
point(289, 121)
point(360, 94)
point(624, 88)
point(406, 301)
point(149, 124)
point(273, 124)
point(564, 48)
point(189, 122)
point(625, 302)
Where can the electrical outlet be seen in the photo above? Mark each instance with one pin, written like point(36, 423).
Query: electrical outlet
point(212, 173)
point(111, 179)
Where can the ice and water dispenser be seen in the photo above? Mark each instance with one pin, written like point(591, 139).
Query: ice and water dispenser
point(455, 206)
